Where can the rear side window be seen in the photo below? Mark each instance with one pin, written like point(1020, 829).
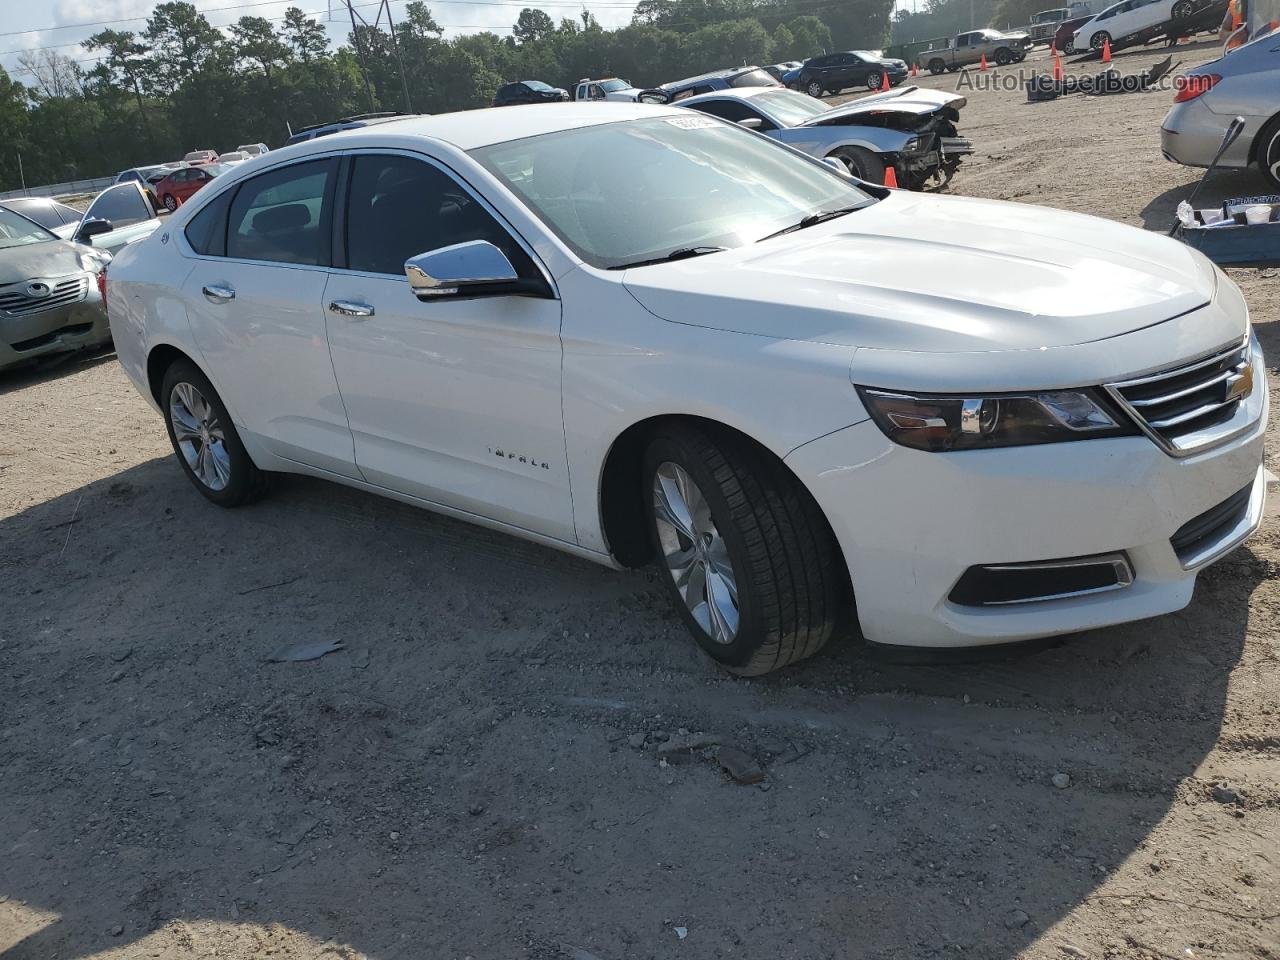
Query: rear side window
point(284, 216)
point(207, 230)
point(398, 207)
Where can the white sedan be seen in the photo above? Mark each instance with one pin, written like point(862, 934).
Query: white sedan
point(638, 334)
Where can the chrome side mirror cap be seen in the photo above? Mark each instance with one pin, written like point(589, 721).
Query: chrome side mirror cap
point(751, 123)
point(453, 271)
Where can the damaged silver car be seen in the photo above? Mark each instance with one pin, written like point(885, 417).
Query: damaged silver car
point(909, 129)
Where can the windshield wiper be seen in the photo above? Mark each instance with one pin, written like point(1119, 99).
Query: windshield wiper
point(813, 219)
point(680, 253)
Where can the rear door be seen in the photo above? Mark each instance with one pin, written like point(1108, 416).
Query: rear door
point(260, 256)
point(454, 401)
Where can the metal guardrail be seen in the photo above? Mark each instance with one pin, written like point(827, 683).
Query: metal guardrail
point(61, 189)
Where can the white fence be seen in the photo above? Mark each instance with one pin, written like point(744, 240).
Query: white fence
point(61, 189)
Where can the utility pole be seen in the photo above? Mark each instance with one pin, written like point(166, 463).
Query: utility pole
point(22, 177)
point(355, 37)
point(395, 47)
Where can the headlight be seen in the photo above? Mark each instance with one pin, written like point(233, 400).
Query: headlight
point(912, 146)
point(91, 260)
point(944, 423)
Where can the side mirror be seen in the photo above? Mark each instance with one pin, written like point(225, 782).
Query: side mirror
point(751, 123)
point(90, 228)
point(836, 164)
point(458, 270)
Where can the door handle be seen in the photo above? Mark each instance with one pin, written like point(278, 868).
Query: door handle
point(349, 308)
point(218, 293)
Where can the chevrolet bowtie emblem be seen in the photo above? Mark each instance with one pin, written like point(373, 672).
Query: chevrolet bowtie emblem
point(1240, 384)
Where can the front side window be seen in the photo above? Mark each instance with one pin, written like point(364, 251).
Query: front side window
point(399, 207)
point(284, 215)
point(621, 193)
point(731, 110)
point(18, 231)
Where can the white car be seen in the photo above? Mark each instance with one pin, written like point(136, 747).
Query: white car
point(253, 149)
point(638, 333)
point(609, 89)
point(232, 156)
point(1128, 17)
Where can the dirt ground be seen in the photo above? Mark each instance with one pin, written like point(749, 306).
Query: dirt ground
point(477, 774)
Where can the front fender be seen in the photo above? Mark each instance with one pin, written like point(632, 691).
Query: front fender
point(875, 139)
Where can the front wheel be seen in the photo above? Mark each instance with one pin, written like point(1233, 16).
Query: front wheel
point(170, 202)
point(874, 80)
point(862, 163)
point(1004, 57)
point(743, 550)
point(1269, 152)
point(205, 440)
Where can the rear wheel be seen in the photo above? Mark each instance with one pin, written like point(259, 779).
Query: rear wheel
point(1067, 48)
point(937, 66)
point(1099, 40)
point(170, 202)
point(743, 550)
point(205, 439)
point(862, 163)
point(1182, 11)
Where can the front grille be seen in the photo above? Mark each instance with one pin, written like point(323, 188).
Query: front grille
point(1181, 407)
point(17, 302)
point(1202, 535)
point(1003, 584)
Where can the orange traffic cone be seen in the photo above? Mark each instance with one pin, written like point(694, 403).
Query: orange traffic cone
point(884, 79)
point(1057, 68)
point(1106, 50)
point(890, 177)
point(914, 72)
point(982, 64)
point(1053, 48)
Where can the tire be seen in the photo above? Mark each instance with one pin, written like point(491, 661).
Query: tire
point(937, 66)
point(874, 81)
point(814, 89)
point(170, 202)
point(862, 163)
point(1067, 48)
point(754, 525)
point(1182, 11)
point(953, 68)
point(219, 467)
point(1019, 57)
point(1004, 57)
point(1268, 152)
point(1099, 40)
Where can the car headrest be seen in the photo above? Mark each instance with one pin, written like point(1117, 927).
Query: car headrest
point(290, 216)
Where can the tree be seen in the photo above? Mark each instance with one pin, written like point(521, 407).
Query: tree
point(125, 65)
point(256, 42)
point(304, 35)
point(533, 25)
point(182, 41)
point(54, 74)
point(810, 37)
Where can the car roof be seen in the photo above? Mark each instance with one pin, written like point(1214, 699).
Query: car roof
point(469, 129)
point(710, 75)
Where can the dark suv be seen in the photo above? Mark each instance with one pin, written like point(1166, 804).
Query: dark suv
point(528, 91)
point(834, 72)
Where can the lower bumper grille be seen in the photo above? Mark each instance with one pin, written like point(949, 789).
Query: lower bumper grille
point(995, 585)
point(74, 330)
point(1203, 536)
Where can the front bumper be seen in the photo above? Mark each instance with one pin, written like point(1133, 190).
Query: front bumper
point(77, 325)
point(911, 523)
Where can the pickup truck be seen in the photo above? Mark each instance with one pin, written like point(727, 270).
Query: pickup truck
point(609, 89)
point(970, 47)
point(1044, 25)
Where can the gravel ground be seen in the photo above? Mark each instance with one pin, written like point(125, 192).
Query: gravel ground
point(478, 773)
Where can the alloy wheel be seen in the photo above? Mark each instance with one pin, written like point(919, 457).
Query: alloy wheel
point(170, 204)
point(1271, 159)
point(695, 553)
point(199, 436)
point(815, 89)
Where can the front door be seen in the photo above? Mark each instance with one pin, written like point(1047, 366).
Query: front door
point(455, 401)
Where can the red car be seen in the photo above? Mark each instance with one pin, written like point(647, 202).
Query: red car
point(1066, 33)
point(174, 189)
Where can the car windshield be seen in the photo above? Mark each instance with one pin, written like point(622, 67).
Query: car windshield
point(537, 85)
point(867, 54)
point(628, 192)
point(789, 106)
point(613, 86)
point(18, 231)
point(753, 78)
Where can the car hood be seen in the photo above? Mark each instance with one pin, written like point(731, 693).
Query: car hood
point(52, 258)
point(914, 100)
point(937, 274)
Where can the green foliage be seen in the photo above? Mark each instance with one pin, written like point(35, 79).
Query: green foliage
point(181, 84)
